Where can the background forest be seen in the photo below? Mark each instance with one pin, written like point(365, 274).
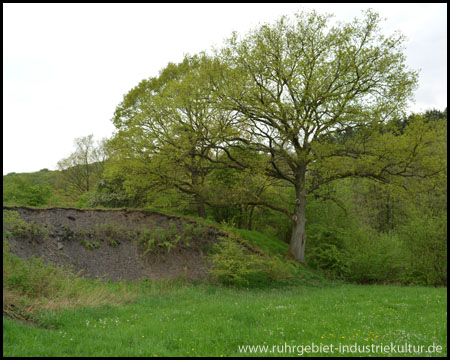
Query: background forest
point(369, 232)
point(277, 135)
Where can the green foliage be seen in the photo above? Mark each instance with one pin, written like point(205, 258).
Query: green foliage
point(233, 264)
point(376, 257)
point(82, 169)
point(110, 233)
point(244, 136)
point(328, 249)
point(191, 232)
point(158, 238)
point(331, 259)
point(280, 271)
point(237, 260)
point(11, 222)
point(15, 227)
point(425, 238)
point(143, 235)
point(112, 190)
point(40, 188)
point(412, 253)
point(19, 190)
point(32, 277)
point(82, 200)
point(90, 245)
point(31, 288)
point(167, 121)
point(150, 239)
point(355, 253)
point(390, 232)
point(167, 244)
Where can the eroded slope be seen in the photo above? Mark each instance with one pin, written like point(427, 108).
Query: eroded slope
point(115, 244)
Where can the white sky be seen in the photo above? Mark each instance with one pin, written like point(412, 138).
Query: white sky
point(67, 66)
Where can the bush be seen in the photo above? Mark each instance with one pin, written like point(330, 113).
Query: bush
point(30, 286)
point(425, 239)
point(376, 257)
point(327, 251)
point(21, 192)
point(233, 264)
point(13, 226)
point(330, 258)
point(31, 277)
point(280, 270)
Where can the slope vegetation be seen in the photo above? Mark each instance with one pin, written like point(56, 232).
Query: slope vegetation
point(114, 244)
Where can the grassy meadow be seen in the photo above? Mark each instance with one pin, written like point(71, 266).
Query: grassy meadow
point(184, 319)
point(53, 312)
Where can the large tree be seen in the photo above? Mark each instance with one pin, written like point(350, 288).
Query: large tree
point(166, 130)
point(296, 86)
point(83, 168)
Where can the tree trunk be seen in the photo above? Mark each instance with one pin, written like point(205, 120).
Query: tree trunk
point(198, 198)
point(200, 206)
point(239, 224)
point(250, 217)
point(298, 236)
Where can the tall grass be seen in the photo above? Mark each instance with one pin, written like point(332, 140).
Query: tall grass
point(31, 285)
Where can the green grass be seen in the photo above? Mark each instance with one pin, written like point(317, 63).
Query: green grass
point(206, 320)
point(72, 316)
point(268, 244)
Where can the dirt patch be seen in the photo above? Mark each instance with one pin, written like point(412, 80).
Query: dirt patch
point(116, 244)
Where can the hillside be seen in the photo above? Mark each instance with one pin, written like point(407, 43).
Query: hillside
point(114, 244)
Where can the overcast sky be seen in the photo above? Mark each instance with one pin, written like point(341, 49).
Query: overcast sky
point(67, 66)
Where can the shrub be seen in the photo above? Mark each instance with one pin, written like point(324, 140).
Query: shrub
point(110, 233)
point(328, 251)
point(13, 226)
point(233, 264)
point(89, 245)
point(330, 258)
point(21, 192)
point(31, 285)
point(376, 257)
point(158, 238)
point(280, 270)
point(425, 239)
point(191, 232)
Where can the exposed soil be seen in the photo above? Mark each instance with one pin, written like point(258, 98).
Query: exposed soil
point(116, 254)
